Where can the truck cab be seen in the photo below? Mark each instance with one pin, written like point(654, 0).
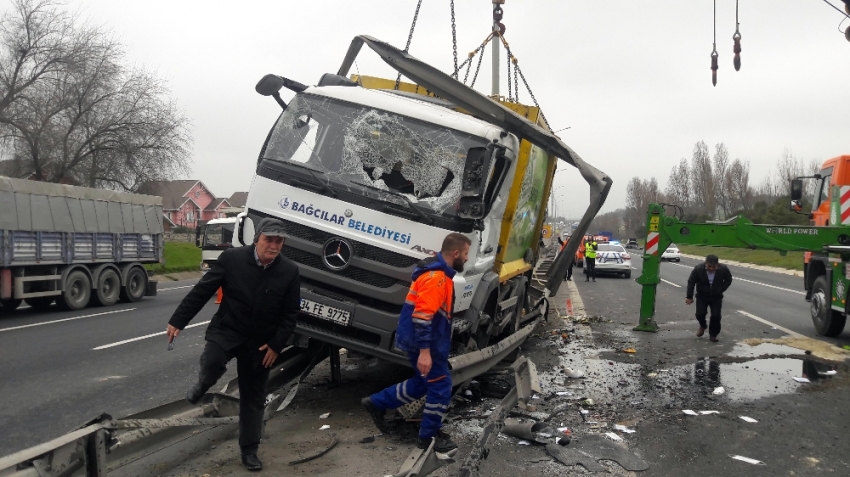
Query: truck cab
point(834, 172)
point(213, 238)
point(379, 177)
point(833, 184)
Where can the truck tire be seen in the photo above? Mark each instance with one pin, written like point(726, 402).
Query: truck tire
point(77, 291)
point(11, 304)
point(135, 285)
point(828, 322)
point(39, 303)
point(108, 288)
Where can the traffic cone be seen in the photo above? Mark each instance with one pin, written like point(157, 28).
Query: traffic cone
point(219, 297)
point(569, 306)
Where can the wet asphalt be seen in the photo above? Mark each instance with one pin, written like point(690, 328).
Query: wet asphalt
point(53, 379)
point(801, 428)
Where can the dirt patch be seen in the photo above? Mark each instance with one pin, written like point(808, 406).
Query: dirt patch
point(818, 348)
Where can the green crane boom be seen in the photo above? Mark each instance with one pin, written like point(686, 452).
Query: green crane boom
point(739, 233)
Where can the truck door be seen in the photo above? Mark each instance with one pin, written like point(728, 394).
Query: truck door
point(820, 202)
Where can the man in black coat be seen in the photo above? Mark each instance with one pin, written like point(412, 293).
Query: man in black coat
point(710, 279)
point(262, 298)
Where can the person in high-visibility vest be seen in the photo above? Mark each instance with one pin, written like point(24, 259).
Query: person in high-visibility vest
point(590, 248)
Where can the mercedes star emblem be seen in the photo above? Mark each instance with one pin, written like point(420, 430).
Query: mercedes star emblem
point(336, 254)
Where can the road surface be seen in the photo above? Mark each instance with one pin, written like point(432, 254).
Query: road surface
point(60, 369)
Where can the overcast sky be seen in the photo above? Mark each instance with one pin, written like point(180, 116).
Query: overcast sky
point(630, 79)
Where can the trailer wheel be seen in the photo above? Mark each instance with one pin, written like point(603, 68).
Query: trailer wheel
point(108, 288)
point(77, 291)
point(11, 304)
point(828, 322)
point(135, 286)
point(39, 303)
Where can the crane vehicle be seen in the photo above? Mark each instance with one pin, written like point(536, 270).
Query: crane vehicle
point(827, 277)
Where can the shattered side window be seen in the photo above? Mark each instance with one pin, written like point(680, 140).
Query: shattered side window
point(354, 144)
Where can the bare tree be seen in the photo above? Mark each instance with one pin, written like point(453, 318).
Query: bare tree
point(89, 119)
point(36, 39)
point(720, 171)
point(702, 181)
point(740, 192)
point(678, 189)
point(639, 194)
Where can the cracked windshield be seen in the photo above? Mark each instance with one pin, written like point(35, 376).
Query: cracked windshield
point(352, 144)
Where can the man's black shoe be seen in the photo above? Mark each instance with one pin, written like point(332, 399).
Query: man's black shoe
point(376, 414)
point(442, 443)
point(252, 462)
point(195, 393)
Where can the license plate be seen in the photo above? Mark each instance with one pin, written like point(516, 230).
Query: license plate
point(325, 312)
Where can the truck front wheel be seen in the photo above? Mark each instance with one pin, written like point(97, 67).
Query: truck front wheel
point(828, 322)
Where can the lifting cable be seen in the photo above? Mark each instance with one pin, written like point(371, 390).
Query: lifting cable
point(409, 38)
point(736, 37)
point(714, 49)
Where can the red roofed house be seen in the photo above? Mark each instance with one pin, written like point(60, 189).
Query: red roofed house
point(186, 202)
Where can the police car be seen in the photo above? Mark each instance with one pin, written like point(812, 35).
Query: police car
point(613, 258)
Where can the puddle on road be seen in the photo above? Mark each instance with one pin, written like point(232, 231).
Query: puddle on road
point(743, 350)
point(754, 379)
point(635, 385)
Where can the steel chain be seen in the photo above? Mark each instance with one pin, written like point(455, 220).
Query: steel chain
point(409, 38)
point(454, 38)
point(477, 68)
point(532, 95)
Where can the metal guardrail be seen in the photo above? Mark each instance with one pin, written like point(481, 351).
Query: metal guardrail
point(105, 444)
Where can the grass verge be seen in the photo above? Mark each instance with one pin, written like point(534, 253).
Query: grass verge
point(179, 257)
point(771, 258)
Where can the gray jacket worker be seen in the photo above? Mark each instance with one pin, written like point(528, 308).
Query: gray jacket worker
point(711, 279)
point(257, 315)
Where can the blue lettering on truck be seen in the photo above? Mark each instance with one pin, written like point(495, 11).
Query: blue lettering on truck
point(339, 219)
point(376, 230)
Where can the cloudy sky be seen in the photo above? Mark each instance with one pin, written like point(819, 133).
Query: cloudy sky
point(630, 79)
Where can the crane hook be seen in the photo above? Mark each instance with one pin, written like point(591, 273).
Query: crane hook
point(714, 68)
point(737, 50)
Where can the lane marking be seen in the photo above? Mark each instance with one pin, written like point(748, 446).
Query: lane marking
point(790, 332)
point(161, 333)
point(66, 319)
point(757, 283)
point(176, 288)
point(671, 283)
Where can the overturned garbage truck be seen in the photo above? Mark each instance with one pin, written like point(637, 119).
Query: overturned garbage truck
point(75, 245)
point(369, 175)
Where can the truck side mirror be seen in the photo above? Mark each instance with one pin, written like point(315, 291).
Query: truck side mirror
point(245, 226)
point(476, 171)
point(483, 175)
point(796, 190)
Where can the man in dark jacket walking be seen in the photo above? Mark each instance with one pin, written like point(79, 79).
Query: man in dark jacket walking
point(425, 333)
point(262, 298)
point(710, 279)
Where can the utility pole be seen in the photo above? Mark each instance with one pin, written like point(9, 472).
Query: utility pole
point(498, 30)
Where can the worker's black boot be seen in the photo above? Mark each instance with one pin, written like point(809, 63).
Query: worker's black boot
point(442, 443)
point(195, 393)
